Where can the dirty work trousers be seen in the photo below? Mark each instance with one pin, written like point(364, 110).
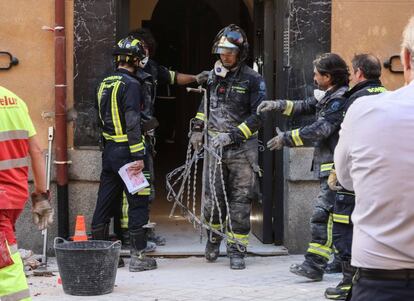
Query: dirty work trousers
point(240, 175)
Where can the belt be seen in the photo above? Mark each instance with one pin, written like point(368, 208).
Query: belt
point(376, 274)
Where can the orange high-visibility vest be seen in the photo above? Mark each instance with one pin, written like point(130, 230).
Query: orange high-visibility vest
point(15, 129)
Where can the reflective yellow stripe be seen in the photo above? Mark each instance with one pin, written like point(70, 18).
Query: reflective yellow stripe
point(116, 138)
point(243, 238)
point(136, 147)
point(296, 138)
point(14, 134)
point(145, 191)
point(201, 116)
point(114, 110)
point(326, 166)
point(124, 216)
point(377, 90)
point(216, 226)
point(101, 88)
point(245, 130)
point(289, 108)
point(14, 163)
point(329, 236)
point(319, 250)
point(341, 218)
point(134, 42)
point(172, 77)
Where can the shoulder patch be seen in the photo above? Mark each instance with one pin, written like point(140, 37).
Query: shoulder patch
point(335, 105)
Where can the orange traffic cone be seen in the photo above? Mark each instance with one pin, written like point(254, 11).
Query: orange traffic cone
point(80, 230)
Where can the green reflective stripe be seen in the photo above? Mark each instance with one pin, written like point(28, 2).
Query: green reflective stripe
point(14, 163)
point(14, 134)
point(345, 287)
point(124, 216)
point(201, 116)
point(172, 77)
point(327, 166)
point(242, 238)
point(296, 138)
point(377, 90)
point(136, 147)
point(112, 78)
point(341, 218)
point(319, 250)
point(245, 130)
point(134, 42)
point(145, 191)
point(114, 110)
point(289, 108)
point(116, 138)
point(13, 284)
point(329, 228)
point(100, 91)
point(216, 226)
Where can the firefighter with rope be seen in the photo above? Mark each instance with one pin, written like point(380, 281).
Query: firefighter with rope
point(234, 92)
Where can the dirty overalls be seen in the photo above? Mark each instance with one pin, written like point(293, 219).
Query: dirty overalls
point(323, 135)
point(232, 103)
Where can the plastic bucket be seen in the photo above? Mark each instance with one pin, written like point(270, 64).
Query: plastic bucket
point(87, 268)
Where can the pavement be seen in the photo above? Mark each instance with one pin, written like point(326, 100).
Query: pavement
point(192, 278)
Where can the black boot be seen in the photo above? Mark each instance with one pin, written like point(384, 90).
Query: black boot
point(212, 250)
point(340, 292)
point(157, 239)
point(334, 267)
point(125, 238)
point(236, 257)
point(139, 261)
point(101, 232)
point(308, 269)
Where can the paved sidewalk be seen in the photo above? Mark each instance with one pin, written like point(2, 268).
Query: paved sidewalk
point(185, 279)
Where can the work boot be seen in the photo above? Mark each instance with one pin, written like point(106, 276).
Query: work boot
point(139, 261)
point(236, 257)
point(308, 270)
point(157, 239)
point(340, 292)
point(212, 250)
point(334, 267)
point(125, 238)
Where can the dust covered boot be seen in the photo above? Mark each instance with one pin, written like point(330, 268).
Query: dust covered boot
point(307, 269)
point(139, 261)
point(340, 292)
point(212, 250)
point(236, 257)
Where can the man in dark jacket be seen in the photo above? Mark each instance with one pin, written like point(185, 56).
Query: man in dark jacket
point(119, 102)
point(365, 76)
point(235, 90)
point(331, 75)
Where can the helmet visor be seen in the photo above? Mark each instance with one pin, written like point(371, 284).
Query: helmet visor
point(233, 36)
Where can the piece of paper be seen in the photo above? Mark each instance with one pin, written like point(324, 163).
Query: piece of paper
point(134, 182)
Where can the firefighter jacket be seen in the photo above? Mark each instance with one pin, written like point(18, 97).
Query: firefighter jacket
point(147, 92)
point(232, 103)
point(323, 133)
point(16, 128)
point(365, 88)
point(119, 105)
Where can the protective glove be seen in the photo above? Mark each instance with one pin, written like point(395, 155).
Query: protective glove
point(42, 211)
point(222, 140)
point(332, 181)
point(196, 140)
point(271, 105)
point(276, 142)
point(202, 77)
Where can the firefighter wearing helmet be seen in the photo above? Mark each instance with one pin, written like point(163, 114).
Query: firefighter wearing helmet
point(234, 92)
point(119, 103)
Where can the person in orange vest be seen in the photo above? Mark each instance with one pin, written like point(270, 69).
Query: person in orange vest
point(17, 143)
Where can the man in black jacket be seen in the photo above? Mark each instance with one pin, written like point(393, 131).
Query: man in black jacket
point(365, 76)
point(332, 76)
point(119, 102)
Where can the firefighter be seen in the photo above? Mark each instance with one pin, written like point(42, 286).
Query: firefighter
point(332, 77)
point(152, 74)
point(119, 104)
point(235, 90)
point(17, 142)
point(366, 79)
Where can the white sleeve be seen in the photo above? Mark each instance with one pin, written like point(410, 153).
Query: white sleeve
point(342, 156)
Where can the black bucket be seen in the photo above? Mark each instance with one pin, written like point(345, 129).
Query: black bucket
point(87, 268)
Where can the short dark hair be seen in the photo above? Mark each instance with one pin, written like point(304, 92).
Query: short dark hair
point(335, 66)
point(369, 65)
point(145, 35)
